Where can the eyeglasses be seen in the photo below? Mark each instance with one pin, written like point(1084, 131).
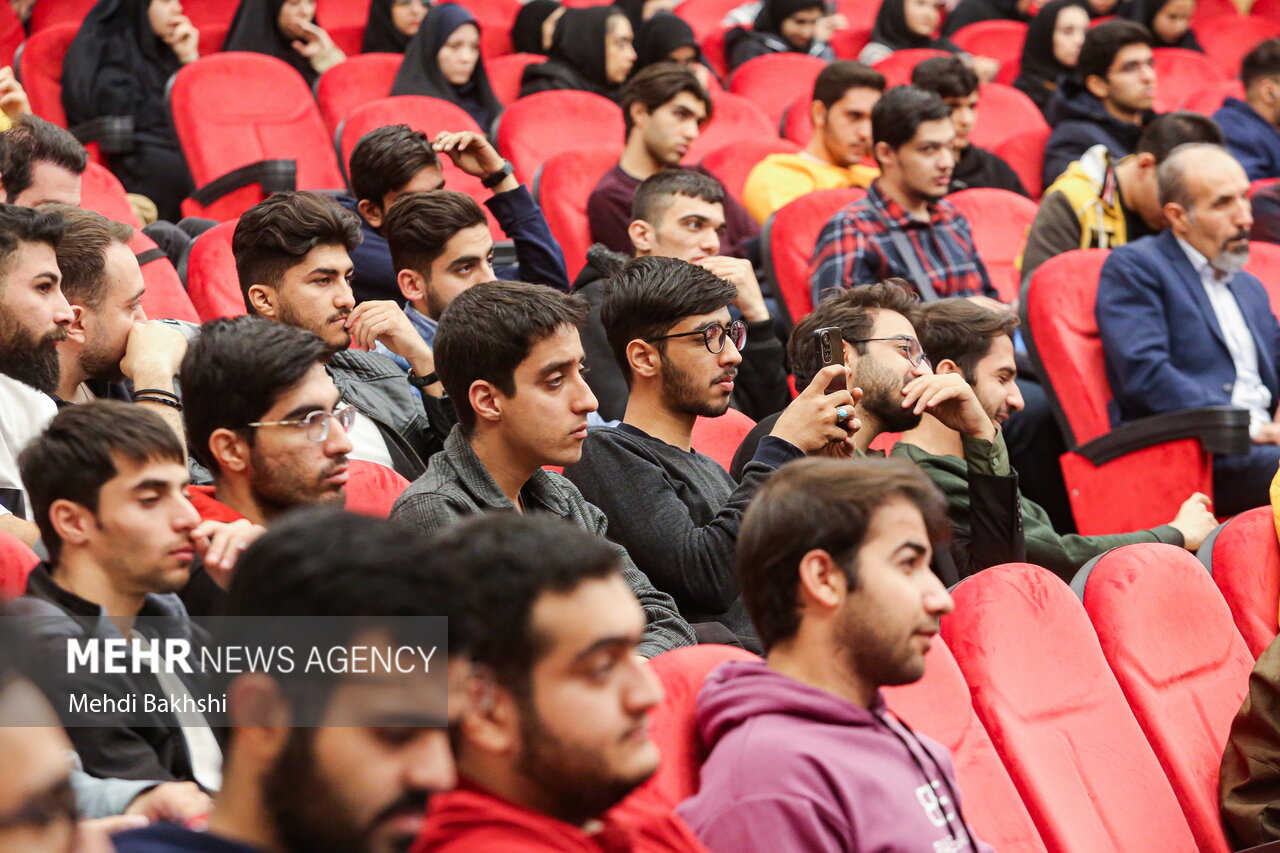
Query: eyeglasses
point(907, 345)
point(713, 336)
point(317, 423)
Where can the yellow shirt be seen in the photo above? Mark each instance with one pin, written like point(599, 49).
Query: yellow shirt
point(782, 178)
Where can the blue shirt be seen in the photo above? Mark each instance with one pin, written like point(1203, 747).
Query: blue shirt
point(1250, 139)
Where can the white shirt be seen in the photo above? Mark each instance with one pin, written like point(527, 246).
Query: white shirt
point(202, 746)
point(367, 444)
point(1248, 391)
point(24, 412)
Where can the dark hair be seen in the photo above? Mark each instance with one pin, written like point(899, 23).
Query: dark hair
point(648, 296)
point(653, 196)
point(387, 158)
point(488, 329)
point(946, 77)
point(26, 225)
point(1166, 132)
point(839, 77)
point(819, 504)
point(854, 312)
point(658, 84)
point(82, 253)
point(419, 225)
point(276, 234)
point(1262, 61)
point(1103, 42)
point(234, 372)
point(898, 115)
point(76, 455)
point(33, 140)
point(961, 331)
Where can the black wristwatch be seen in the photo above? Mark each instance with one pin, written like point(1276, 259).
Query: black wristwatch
point(423, 381)
point(498, 176)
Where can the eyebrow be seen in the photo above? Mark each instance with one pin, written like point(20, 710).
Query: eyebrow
point(560, 365)
point(155, 483)
point(915, 547)
point(325, 271)
point(605, 644)
point(306, 409)
point(50, 274)
point(138, 295)
point(468, 259)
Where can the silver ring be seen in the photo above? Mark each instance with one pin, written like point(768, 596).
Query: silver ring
point(842, 414)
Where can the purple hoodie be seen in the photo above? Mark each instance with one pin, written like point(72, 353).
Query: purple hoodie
point(794, 768)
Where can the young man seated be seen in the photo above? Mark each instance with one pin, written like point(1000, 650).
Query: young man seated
point(1252, 126)
point(804, 755)
point(510, 358)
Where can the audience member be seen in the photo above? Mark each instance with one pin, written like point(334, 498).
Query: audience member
point(781, 26)
point(843, 96)
point(1183, 326)
point(443, 61)
point(1247, 781)
point(590, 51)
point(534, 26)
point(977, 344)
point(1101, 202)
point(804, 754)
point(968, 12)
point(903, 228)
point(40, 163)
point(1052, 49)
point(668, 38)
point(1266, 214)
point(905, 25)
point(287, 30)
point(953, 81)
point(669, 327)
point(1252, 126)
point(639, 11)
point(1169, 22)
point(391, 24)
point(556, 731)
point(1109, 99)
point(512, 364)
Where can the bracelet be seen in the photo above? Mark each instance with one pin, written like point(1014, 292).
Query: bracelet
point(423, 381)
point(159, 391)
point(499, 176)
point(161, 400)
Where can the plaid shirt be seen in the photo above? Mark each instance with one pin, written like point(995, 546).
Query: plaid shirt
point(856, 246)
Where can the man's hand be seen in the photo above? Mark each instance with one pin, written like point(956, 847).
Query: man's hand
point(13, 98)
point(739, 273)
point(153, 353)
point(1267, 434)
point(383, 321)
point(828, 25)
point(184, 38)
point(219, 544)
point(949, 398)
point(1195, 520)
point(172, 802)
point(473, 154)
point(810, 423)
point(985, 68)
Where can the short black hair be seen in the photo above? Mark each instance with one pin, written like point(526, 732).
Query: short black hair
point(839, 77)
point(653, 196)
point(20, 225)
point(648, 296)
point(82, 253)
point(489, 329)
point(898, 115)
point(32, 140)
point(387, 158)
point(234, 372)
point(946, 77)
point(1262, 61)
point(419, 225)
point(854, 312)
point(275, 235)
point(76, 455)
point(656, 85)
point(961, 331)
point(1166, 132)
point(1103, 42)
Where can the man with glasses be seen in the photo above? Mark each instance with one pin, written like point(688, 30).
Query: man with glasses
point(678, 513)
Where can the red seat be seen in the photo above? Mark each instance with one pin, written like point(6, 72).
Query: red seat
point(1000, 220)
point(1244, 557)
point(1056, 715)
point(1062, 335)
point(562, 187)
point(11, 34)
point(58, 13)
point(858, 13)
point(40, 69)
point(1208, 99)
point(212, 282)
point(788, 239)
point(897, 66)
point(1261, 184)
point(848, 43)
point(505, 73)
point(797, 121)
point(344, 21)
point(774, 80)
point(1264, 262)
point(712, 45)
point(1171, 644)
point(353, 83)
point(372, 488)
point(240, 111)
point(732, 163)
point(1182, 73)
point(1004, 112)
point(533, 129)
point(1228, 39)
point(102, 192)
point(719, 437)
point(939, 706)
point(1266, 9)
point(999, 40)
point(496, 18)
point(1024, 152)
point(16, 562)
point(705, 16)
point(164, 298)
point(1208, 10)
point(735, 118)
point(211, 15)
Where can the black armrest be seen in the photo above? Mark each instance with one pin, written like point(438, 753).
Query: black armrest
point(1222, 430)
point(114, 134)
point(272, 175)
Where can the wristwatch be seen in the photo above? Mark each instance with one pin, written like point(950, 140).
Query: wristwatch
point(423, 381)
point(498, 176)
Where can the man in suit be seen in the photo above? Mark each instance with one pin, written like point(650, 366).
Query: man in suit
point(1182, 324)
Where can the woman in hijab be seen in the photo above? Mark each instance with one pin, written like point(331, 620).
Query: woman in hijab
point(639, 11)
point(287, 30)
point(782, 26)
point(535, 23)
point(974, 11)
point(1052, 49)
point(591, 51)
point(118, 65)
point(1169, 22)
point(391, 24)
point(905, 25)
point(668, 38)
point(443, 61)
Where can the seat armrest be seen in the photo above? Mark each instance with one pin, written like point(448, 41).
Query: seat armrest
point(114, 134)
point(272, 175)
point(1221, 430)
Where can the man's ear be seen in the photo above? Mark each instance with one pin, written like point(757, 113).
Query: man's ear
point(491, 723)
point(261, 716)
point(76, 331)
point(262, 300)
point(822, 583)
point(639, 114)
point(1097, 86)
point(371, 212)
point(412, 285)
point(230, 450)
point(644, 359)
point(73, 522)
point(817, 115)
point(1146, 161)
point(642, 236)
point(884, 154)
point(1176, 215)
point(947, 366)
point(486, 401)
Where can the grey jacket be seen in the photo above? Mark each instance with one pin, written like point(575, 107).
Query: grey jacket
point(457, 484)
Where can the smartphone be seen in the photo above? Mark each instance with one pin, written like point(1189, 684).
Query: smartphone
point(828, 344)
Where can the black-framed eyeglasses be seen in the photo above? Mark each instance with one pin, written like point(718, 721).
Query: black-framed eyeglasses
point(911, 349)
point(316, 424)
point(713, 336)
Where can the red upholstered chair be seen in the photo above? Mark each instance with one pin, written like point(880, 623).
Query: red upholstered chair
point(1024, 152)
point(858, 12)
point(719, 437)
point(347, 15)
point(732, 163)
point(206, 15)
point(562, 187)
point(505, 73)
point(212, 282)
point(1056, 715)
point(1000, 220)
point(56, 13)
point(1244, 557)
point(248, 127)
point(704, 16)
point(1229, 38)
point(1208, 99)
point(357, 81)
point(797, 121)
point(1169, 454)
point(775, 80)
point(939, 706)
point(1264, 262)
point(102, 192)
point(1266, 9)
point(848, 43)
point(1208, 10)
point(999, 40)
point(533, 129)
point(897, 66)
point(11, 35)
point(788, 240)
point(495, 18)
point(372, 488)
point(1004, 112)
point(712, 45)
point(165, 298)
point(1172, 646)
point(40, 68)
point(16, 562)
point(735, 118)
point(1182, 73)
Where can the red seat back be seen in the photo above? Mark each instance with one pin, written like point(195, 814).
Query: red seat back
point(344, 21)
point(735, 119)
point(505, 73)
point(40, 68)
point(372, 488)
point(496, 18)
point(1004, 112)
point(1208, 10)
point(535, 128)
point(1244, 557)
point(211, 15)
point(165, 298)
point(1000, 220)
point(1264, 262)
point(212, 282)
point(16, 562)
point(797, 121)
point(1181, 74)
point(1056, 715)
point(1171, 643)
point(732, 163)
point(357, 81)
point(1231, 37)
point(848, 43)
point(774, 80)
point(704, 16)
point(58, 13)
point(562, 188)
point(789, 237)
point(102, 192)
point(1208, 99)
point(1024, 152)
point(897, 66)
point(999, 40)
point(719, 437)
point(11, 34)
point(1266, 9)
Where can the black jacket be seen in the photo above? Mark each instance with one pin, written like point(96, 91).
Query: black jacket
point(1080, 121)
point(978, 167)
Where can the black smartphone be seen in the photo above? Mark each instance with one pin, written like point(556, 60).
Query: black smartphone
point(828, 344)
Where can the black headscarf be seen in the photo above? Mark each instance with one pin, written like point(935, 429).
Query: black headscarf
point(634, 10)
point(526, 32)
point(1145, 11)
point(579, 44)
point(117, 66)
point(891, 30)
point(771, 15)
point(659, 36)
point(420, 72)
point(1041, 72)
point(256, 29)
point(973, 11)
point(381, 35)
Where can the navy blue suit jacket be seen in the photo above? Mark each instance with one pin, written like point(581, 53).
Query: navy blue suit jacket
point(1164, 349)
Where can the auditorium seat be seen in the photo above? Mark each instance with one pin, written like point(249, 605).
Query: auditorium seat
point(1056, 715)
point(1182, 665)
point(705, 16)
point(212, 15)
point(732, 163)
point(39, 67)
point(164, 298)
point(506, 71)
point(788, 239)
point(11, 34)
point(712, 46)
point(57, 13)
point(346, 15)
point(1024, 152)
point(1229, 38)
point(496, 18)
point(1244, 557)
point(372, 489)
point(719, 437)
point(1266, 9)
point(211, 277)
point(543, 124)
point(1264, 262)
point(1208, 99)
point(562, 187)
point(1182, 73)
point(1004, 112)
point(248, 127)
point(774, 80)
point(998, 40)
point(999, 220)
point(16, 562)
point(1208, 10)
point(897, 66)
point(102, 192)
point(353, 83)
point(735, 118)
point(849, 42)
